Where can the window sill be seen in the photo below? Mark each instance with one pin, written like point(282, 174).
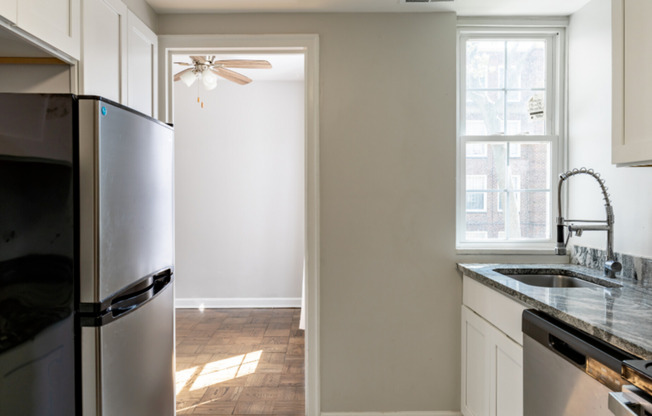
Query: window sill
point(516, 251)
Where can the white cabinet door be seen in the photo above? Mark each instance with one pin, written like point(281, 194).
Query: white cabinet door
point(508, 358)
point(56, 22)
point(8, 9)
point(103, 66)
point(632, 82)
point(476, 377)
point(142, 60)
point(492, 369)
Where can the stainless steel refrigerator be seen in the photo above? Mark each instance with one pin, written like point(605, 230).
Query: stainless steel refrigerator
point(86, 258)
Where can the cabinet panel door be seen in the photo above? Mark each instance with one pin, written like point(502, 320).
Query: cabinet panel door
point(476, 343)
point(8, 9)
point(56, 22)
point(103, 65)
point(632, 65)
point(142, 60)
point(508, 357)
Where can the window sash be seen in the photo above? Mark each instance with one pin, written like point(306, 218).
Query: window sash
point(552, 82)
point(462, 241)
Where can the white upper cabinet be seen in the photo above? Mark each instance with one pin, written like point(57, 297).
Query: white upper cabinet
point(56, 22)
point(142, 60)
point(103, 67)
point(118, 55)
point(8, 10)
point(632, 82)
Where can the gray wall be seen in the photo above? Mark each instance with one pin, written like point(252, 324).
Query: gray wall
point(44, 79)
point(590, 139)
point(390, 295)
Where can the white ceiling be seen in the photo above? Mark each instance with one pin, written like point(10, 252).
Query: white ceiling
point(461, 7)
point(285, 67)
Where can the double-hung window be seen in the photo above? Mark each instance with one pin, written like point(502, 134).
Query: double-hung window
point(510, 121)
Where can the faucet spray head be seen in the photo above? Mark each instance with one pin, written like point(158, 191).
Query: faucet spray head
point(560, 247)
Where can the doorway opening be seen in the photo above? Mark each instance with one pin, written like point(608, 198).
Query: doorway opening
point(247, 192)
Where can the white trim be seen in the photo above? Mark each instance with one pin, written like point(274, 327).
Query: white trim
point(308, 44)
point(195, 303)
point(431, 413)
point(556, 122)
point(511, 22)
point(37, 42)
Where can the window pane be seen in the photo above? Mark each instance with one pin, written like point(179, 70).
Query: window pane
point(519, 120)
point(476, 201)
point(485, 112)
point(526, 64)
point(476, 150)
point(532, 219)
point(492, 167)
point(485, 64)
point(532, 166)
point(485, 226)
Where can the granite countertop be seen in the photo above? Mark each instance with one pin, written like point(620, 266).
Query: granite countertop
point(621, 316)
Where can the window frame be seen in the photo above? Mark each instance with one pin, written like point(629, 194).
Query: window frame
point(556, 129)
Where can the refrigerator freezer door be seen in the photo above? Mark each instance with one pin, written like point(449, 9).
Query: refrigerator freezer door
point(37, 247)
point(126, 182)
point(128, 365)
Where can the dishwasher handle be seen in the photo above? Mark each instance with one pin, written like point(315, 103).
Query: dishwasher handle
point(566, 350)
point(575, 345)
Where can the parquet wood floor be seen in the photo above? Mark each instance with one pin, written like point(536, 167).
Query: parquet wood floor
point(239, 362)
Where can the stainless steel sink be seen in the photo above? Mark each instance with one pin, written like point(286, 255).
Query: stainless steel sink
point(554, 278)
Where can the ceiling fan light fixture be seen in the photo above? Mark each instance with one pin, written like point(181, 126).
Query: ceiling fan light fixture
point(209, 77)
point(210, 86)
point(188, 78)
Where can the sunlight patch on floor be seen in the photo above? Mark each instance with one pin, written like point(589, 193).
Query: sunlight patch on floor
point(183, 376)
point(218, 371)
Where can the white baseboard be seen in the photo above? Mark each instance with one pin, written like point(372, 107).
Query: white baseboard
point(433, 413)
point(208, 303)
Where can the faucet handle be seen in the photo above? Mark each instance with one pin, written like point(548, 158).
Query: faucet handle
point(612, 267)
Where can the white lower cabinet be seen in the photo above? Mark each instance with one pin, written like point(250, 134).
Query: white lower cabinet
point(492, 362)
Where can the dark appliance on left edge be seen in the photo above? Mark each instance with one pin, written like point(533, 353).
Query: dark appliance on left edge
point(86, 258)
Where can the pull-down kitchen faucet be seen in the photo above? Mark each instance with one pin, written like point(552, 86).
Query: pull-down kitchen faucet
point(611, 266)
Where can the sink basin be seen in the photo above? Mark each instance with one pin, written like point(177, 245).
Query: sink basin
point(554, 278)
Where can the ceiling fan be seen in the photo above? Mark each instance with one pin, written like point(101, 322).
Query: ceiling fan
point(208, 69)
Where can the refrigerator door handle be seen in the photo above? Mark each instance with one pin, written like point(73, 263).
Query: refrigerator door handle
point(124, 304)
point(133, 299)
point(162, 279)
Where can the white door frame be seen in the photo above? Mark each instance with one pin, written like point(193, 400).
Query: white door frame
point(170, 45)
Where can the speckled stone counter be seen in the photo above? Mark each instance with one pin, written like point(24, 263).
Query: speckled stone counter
point(621, 316)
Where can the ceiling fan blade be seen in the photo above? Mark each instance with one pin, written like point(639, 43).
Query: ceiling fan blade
point(183, 63)
point(244, 63)
point(177, 76)
point(200, 59)
point(232, 75)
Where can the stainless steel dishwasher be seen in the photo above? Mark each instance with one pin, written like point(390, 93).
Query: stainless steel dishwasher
point(567, 372)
